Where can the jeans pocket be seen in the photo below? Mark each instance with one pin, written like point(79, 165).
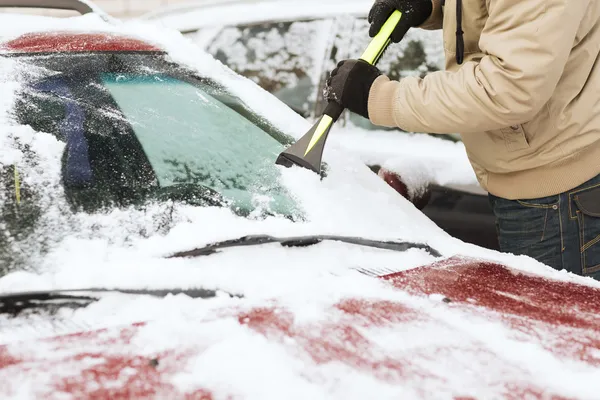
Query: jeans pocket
point(543, 203)
point(587, 210)
point(529, 227)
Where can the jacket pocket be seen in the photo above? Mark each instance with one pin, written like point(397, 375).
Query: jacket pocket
point(587, 210)
point(514, 138)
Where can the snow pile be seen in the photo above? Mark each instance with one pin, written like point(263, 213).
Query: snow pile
point(420, 159)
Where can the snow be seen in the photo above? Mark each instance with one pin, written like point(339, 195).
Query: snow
point(127, 249)
point(418, 158)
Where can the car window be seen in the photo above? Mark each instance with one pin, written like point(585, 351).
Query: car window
point(138, 127)
point(189, 136)
point(284, 58)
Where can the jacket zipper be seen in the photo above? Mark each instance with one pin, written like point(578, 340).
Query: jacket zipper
point(460, 42)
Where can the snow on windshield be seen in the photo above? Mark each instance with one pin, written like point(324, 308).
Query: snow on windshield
point(328, 204)
point(126, 248)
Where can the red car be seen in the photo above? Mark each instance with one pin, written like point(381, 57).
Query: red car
point(377, 319)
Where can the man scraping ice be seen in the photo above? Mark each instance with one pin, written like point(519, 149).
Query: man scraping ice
point(522, 87)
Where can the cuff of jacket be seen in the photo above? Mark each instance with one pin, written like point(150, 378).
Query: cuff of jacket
point(382, 99)
point(436, 18)
point(388, 104)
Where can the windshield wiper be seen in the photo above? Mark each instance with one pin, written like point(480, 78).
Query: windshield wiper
point(303, 241)
point(14, 304)
point(51, 301)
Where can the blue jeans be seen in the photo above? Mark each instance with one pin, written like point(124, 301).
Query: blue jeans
point(561, 231)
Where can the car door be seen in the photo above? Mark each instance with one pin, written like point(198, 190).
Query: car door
point(283, 57)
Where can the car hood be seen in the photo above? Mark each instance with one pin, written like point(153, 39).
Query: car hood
point(457, 328)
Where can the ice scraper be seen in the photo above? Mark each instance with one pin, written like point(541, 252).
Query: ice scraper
point(308, 150)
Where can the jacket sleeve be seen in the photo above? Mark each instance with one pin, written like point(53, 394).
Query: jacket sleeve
point(435, 19)
point(526, 45)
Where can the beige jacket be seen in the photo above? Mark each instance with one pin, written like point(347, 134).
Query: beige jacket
point(526, 99)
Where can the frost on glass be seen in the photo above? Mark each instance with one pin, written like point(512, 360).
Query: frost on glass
point(283, 58)
point(191, 137)
point(36, 214)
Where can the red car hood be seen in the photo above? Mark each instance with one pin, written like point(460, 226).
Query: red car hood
point(458, 329)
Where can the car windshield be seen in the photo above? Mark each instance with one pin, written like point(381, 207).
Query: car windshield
point(136, 124)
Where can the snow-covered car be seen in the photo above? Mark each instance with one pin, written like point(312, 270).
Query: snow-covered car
point(157, 251)
point(288, 47)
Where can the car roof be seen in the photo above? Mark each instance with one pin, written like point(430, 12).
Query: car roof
point(196, 15)
point(74, 42)
point(29, 34)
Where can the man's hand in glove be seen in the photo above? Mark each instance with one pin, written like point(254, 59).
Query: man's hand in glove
point(349, 85)
point(414, 13)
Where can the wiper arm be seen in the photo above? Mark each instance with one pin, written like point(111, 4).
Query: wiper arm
point(302, 241)
point(52, 300)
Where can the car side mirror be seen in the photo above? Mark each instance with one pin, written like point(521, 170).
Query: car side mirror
point(419, 199)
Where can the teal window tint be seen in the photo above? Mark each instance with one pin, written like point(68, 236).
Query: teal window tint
point(190, 136)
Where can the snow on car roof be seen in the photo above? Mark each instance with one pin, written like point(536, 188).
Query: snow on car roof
point(55, 42)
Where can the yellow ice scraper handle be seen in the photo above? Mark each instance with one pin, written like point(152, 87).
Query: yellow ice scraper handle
point(381, 41)
point(308, 150)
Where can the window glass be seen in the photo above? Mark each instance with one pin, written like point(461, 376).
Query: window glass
point(137, 127)
point(339, 49)
point(284, 58)
point(191, 137)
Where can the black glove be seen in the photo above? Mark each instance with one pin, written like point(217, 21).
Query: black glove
point(349, 85)
point(414, 13)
